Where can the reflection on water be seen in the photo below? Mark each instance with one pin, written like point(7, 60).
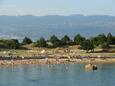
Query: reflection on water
point(57, 75)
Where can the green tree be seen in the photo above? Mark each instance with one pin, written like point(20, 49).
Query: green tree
point(105, 45)
point(94, 40)
point(87, 45)
point(78, 39)
point(41, 42)
point(14, 44)
point(10, 44)
point(55, 41)
point(110, 38)
point(26, 40)
point(101, 38)
point(114, 40)
point(65, 40)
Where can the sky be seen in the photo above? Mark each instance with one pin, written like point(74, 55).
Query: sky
point(57, 7)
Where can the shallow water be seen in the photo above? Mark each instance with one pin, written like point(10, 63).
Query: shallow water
point(57, 75)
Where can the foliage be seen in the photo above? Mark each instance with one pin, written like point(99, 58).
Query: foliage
point(10, 44)
point(94, 40)
point(65, 40)
point(110, 38)
point(101, 38)
point(26, 40)
point(41, 42)
point(105, 45)
point(114, 40)
point(55, 41)
point(87, 45)
point(78, 39)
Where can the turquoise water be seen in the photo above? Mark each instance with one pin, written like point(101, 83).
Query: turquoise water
point(57, 75)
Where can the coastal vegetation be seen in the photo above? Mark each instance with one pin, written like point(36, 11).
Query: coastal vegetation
point(10, 44)
point(62, 48)
point(87, 45)
point(65, 40)
point(103, 41)
point(26, 40)
point(40, 43)
point(78, 39)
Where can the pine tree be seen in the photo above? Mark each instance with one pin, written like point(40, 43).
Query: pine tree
point(78, 39)
point(26, 40)
point(110, 38)
point(65, 40)
point(41, 42)
point(55, 41)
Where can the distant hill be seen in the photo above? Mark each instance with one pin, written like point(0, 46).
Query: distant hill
point(34, 27)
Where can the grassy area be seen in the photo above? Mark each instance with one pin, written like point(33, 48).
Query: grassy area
point(29, 51)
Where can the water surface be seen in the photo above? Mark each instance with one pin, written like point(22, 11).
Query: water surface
point(57, 75)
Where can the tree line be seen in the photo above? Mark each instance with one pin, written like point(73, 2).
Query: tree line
point(102, 40)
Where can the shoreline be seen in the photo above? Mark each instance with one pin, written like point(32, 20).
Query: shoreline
point(69, 55)
point(55, 61)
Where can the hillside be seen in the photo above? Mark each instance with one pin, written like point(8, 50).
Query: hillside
point(37, 26)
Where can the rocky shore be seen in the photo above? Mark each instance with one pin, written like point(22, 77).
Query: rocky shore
point(55, 61)
point(67, 55)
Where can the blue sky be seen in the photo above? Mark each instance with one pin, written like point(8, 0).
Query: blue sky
point(57, 7)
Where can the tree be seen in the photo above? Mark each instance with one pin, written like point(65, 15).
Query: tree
point(26, 40)
point(94, 40)
point(113, 39)
point(55, 41)
point(101, 38)
point(110, 38)
point(105, 45)
point(78, 39)
point(87, 45)
point(65, 40)
point(10, 44)
point(14, 44)
point(41, 42)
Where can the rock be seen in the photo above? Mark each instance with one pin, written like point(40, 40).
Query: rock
point(90, 67)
